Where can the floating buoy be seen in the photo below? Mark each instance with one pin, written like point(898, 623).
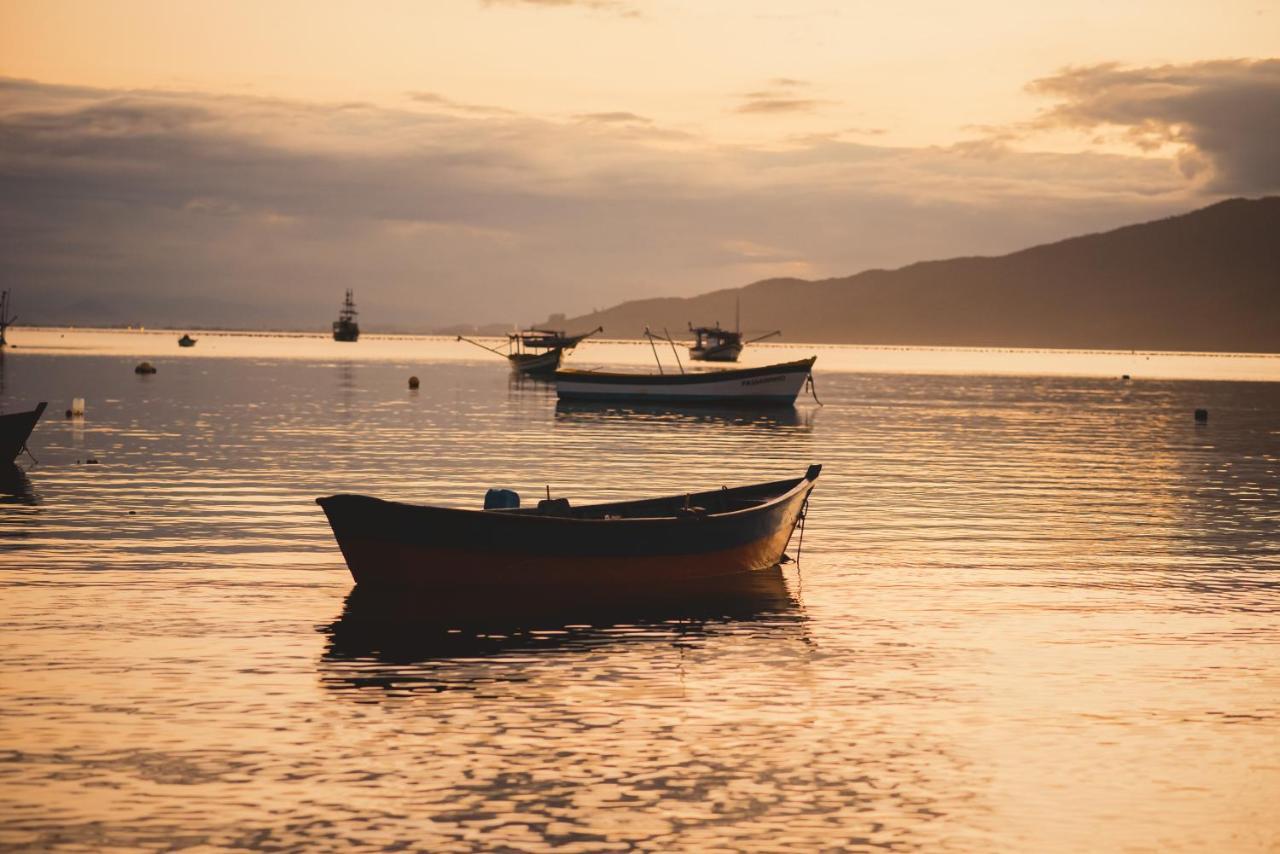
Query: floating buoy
point(145, 368)
point(1124, 377)
point(1202, 416)
point(77, 407)
point(413, 382)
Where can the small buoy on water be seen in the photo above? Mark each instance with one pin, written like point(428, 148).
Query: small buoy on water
point(1202, 416)
point(92, 461)
point(1124, 377)
point(77, 407)
point(145, 368)
point(413, 382)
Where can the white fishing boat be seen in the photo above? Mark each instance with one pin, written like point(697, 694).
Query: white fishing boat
point(776, 385)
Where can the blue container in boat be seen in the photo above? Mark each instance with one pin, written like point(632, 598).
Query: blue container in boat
point(501, 499)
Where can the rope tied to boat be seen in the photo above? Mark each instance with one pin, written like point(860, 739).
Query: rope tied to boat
point(813, 388)
point(804, 513)
point(800, 517)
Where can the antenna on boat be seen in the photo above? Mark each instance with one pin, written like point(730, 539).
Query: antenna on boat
point(737, 315)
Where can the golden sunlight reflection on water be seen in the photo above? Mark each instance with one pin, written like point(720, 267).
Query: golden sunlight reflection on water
point(1032, 612)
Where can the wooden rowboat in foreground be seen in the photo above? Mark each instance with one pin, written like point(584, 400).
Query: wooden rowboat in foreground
point(614, 547)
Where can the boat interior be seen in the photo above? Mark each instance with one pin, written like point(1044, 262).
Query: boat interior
point(710, 503)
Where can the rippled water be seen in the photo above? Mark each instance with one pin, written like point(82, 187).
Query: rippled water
point(1031, 613)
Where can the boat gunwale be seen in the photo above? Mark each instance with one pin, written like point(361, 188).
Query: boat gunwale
point(809, 477)
point(39, 409)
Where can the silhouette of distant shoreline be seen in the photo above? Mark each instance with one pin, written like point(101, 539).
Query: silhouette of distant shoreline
point(1206, 281)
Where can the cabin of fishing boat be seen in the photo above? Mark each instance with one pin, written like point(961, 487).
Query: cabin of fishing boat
point(713, 344)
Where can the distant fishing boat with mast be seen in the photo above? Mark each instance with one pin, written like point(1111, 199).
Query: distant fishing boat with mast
point(713, 344)
point(345, 327)
point(5, 320)
point(536, 352)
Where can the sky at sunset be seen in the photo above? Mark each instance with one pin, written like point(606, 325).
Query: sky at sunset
point(498, 160)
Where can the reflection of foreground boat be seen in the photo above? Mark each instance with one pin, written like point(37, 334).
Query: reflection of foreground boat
point(775, 385)
point(620, 546)
point(14, 430)
point(382, 634)
point(15, 486)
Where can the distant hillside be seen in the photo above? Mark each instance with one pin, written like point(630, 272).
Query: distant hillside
point(1207, 280)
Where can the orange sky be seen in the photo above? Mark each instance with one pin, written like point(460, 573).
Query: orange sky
point(914, 73)
point(499, 160)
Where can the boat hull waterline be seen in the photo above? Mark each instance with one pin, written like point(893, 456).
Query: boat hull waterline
point(655, 542)
point(776, 385)
point(717, 353)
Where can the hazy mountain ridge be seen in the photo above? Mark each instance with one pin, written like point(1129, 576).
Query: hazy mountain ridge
point(1206, 280)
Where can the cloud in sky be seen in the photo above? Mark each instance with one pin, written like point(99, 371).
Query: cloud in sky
point(183, 200)
point(435, 100)
point(1224, 115)
point(619, 117)
point(783, 96)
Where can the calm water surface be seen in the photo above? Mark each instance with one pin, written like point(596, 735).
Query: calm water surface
point(1033, 611)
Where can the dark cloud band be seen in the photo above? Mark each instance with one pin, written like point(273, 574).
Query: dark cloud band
point(1224, 114)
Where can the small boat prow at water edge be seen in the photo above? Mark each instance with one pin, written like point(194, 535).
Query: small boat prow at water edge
point(612, 548)
point(15, 429)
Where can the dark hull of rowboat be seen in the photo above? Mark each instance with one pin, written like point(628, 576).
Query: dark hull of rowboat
point(389, 544)
point(15, 428)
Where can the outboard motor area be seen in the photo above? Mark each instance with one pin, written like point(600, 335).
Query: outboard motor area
point(501, 499)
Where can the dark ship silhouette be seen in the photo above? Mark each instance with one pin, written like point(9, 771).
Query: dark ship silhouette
point(345, 327)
